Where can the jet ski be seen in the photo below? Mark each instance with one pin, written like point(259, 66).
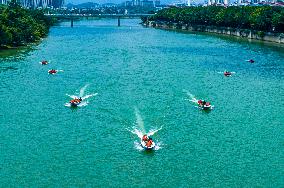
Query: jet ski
point(52, 71)
point(251, 61)
point(44, 62)
point(227, 73)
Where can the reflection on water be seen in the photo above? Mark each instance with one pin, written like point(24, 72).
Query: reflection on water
point(16, 53)
point(3, 69)
point(246, 43)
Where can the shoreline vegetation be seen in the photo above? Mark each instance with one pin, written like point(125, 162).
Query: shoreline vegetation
point(20, 26)
point(264, 23)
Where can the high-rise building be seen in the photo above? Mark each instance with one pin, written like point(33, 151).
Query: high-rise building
point(241, 2)
point(189, 3)
point(146, 3)
point(3, 1)
point(38, 3)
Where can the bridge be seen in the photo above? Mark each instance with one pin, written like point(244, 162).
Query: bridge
point(72, 17)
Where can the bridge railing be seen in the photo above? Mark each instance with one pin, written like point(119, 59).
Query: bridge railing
point(75, 16)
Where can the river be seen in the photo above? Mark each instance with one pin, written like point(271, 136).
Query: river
point(141, 79)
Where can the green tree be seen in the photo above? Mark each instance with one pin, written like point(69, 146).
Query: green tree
point(20, 26)
point(264, 18)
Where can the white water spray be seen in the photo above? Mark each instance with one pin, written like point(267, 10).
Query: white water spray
point(88, 96)
point(139, 121)
point(81, 95)
point(139, 130)
point(153, 131)
point(82, 90)
point(192, 97)
point(226, 71)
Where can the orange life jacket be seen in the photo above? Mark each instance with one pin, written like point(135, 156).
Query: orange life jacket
point(149, 143)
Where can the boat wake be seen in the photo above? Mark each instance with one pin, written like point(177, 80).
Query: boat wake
point(81, 95)
point(226, 71)
point(191, 97)
point(139, 131)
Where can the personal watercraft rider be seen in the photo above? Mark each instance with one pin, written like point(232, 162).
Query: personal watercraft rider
point(227, 73)
point(251, 61)
point(76, 100)
point(52, 71)
point(149, 142)
point(145, 138)
point(44, 62)
point(201, 102)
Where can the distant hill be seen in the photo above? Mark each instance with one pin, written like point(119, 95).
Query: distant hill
point(82, 5)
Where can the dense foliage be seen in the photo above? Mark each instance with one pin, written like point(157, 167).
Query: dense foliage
point(19, 26)
point(261, 18)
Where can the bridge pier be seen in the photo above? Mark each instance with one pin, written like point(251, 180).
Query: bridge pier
point(118, 21)
point(72, 20)
point(147, 22)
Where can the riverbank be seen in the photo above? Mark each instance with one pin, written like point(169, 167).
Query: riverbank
point(264, 23)
point(243, 33)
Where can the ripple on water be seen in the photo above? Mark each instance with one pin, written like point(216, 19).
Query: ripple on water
point(43, 143)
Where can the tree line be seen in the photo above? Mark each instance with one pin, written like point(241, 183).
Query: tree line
point(260, 18)
point(19, 26)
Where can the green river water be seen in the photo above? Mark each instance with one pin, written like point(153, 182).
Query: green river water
point(143, 80)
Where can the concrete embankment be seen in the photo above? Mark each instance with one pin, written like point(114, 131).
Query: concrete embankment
point(244, 33)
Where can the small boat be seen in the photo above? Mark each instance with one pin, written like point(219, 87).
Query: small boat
point(52, 71)
point(44, 62)
point(251, 61)
point(227, 73)
point(144, 145)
